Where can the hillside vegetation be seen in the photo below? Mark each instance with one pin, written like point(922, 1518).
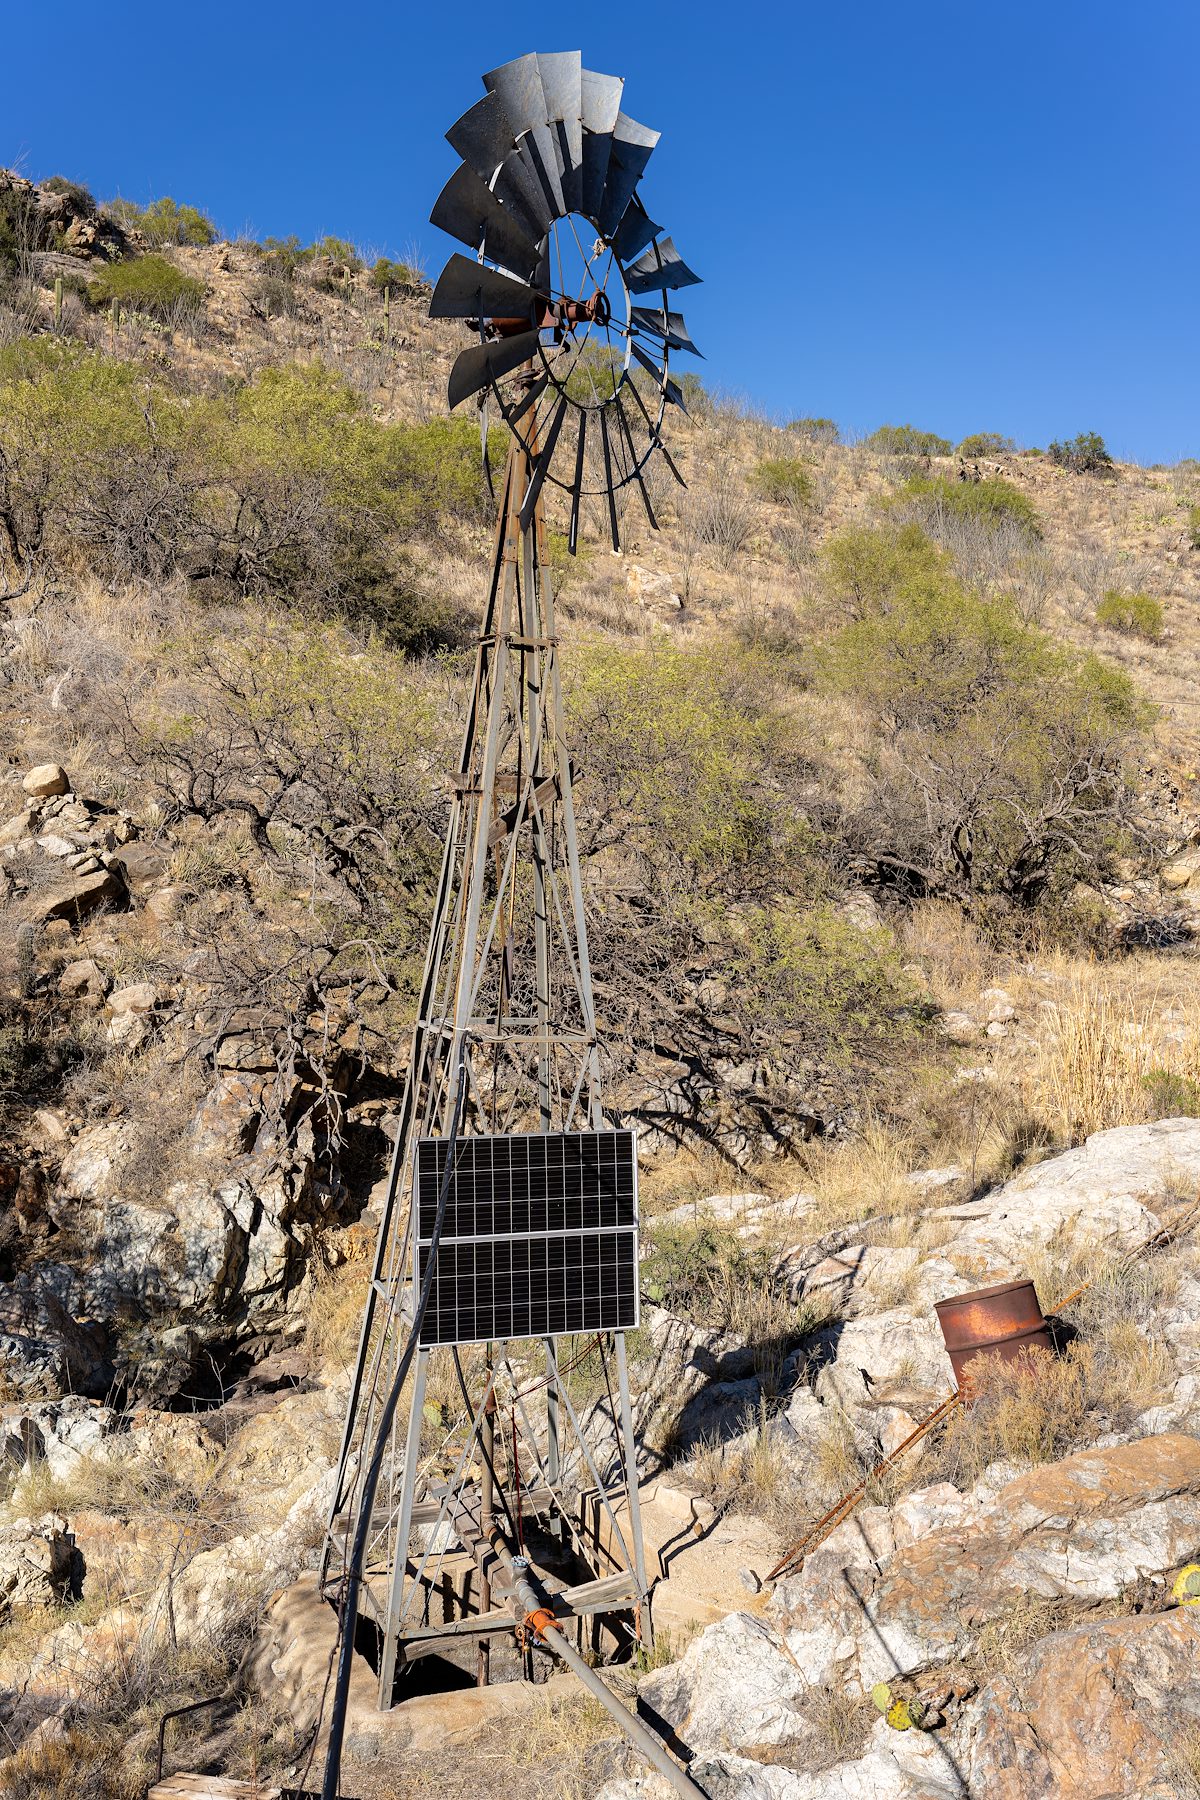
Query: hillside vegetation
point(888, 757)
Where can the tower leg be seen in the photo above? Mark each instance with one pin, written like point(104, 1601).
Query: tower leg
point(553, 1450)
point(412, 1453)
point(645, 1625)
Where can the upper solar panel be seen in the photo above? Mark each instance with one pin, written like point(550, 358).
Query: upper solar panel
point(539, 1236)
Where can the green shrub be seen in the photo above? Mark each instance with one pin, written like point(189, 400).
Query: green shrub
point(987, 443)
point(399, 275)
point(906, 440)
point(1171, 1096)
point(75, 191)
point(867, 568)
point(338, 250)
point(276, 296)
point(1193, 526)
point(1086, 454)
point(997, 775)
point(283, 256)
point(148, 284)
point(818, 431)
point(993, 500)
point(783, 480)
point(1136, 615)
point(165, 222)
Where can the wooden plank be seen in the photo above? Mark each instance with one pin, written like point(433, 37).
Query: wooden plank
point(211, 1787)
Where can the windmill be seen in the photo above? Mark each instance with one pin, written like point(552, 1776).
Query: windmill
point(510, 1222)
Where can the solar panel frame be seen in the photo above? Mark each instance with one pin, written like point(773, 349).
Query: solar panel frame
point(540, 1236)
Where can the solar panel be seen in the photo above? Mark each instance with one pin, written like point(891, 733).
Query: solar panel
point(539, 1237)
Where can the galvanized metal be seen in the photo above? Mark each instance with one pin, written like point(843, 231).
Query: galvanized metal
point(1004, 1320)
point(467, 210)
point(468, 290)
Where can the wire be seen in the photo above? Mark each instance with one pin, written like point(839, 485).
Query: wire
point(349, 1608)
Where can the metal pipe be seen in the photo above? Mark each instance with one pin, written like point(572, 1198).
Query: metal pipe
point(535, 1615)
point(486, 1517)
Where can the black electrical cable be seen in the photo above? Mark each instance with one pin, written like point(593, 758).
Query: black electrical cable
point(349, 1618)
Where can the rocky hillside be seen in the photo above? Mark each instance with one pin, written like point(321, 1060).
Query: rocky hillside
point(888, 798)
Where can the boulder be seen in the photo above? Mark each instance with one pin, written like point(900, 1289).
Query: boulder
point(1110, 1190)
point(39, 1564)
point(46, 780)
point(141, 866)
point(1183, 872)
point(1110, 1708)
point(654, 587)
point(140, 997)
point(76, 900)
point(1084, 1529)
point(83, 980)
point(735, 1686)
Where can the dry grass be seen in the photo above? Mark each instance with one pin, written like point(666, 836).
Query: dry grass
point(1111, 1053)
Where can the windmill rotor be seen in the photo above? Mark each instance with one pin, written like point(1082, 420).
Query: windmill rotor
point(569, 288)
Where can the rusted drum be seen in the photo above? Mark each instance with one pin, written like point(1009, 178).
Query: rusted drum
point(1006, 1319)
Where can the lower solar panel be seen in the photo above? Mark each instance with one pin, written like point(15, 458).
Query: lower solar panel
point(539, 1236)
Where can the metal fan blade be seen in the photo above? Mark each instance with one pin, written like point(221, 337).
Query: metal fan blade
point(519, 85)
point(660, 267)
point(632, 146)
point(633, 462)
point(542, 465)
point(667, 326)
point(470, 290)
point(601, 97)
point(481, 363)
point(483, 136)
point(577, 485)
point(521, 193)
point(634, 232)
point(470, 212)
point(562, 83)
point(651, 425)
point(608, 479)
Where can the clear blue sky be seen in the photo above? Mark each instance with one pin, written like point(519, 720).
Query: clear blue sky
point(972, 216)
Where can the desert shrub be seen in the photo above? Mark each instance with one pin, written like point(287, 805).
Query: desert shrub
point(399, 275)
point(1193, 526)
point(74, 190)
point(997, 775)
point(283, 485)
point(1134, 615)
point(283, 256)
point(148, 284)
point(906, 440)
point(987, 443)
point(994, 502)
point(1086, 454)
point(866, 568)
point(816, 430)
point(276, 296)
point(165, 222)
point(1170, 1095)
point(338, 250)
point(784, 481)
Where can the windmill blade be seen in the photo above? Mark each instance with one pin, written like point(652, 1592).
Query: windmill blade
point(480, 364)
point(540, 468)
point(519, 85)
point(601, 108)
point(470, 290)
point(651, 424)
point(660, 267)
point(608, 479)
point(562, 83)
point(634, 232)
point(520, 192)
point(632, 147)
point(577, 485)
point(668, 326)
point(483, 136)
point(467, 209)
point(633, 462)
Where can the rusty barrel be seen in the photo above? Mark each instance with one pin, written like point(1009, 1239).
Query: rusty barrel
point(1006, 1319)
